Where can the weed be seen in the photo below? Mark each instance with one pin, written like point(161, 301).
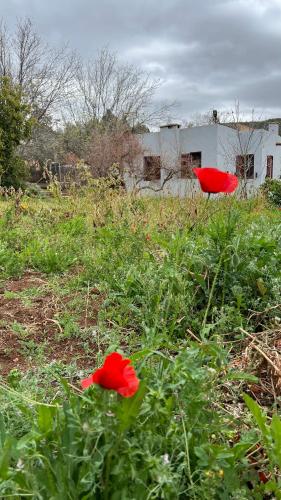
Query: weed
point(172, 284)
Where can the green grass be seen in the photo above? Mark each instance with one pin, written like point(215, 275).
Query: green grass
point(171, 283)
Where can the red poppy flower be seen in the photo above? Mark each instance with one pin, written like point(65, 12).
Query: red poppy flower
point(115, 374)
point(213, 180)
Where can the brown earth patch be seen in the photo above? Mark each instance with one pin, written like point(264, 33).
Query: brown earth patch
point(39, 325)
point(29, 280)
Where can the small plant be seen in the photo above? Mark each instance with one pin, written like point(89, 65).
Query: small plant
point(272, 190)
point(159, 439)
point(54, 186)
point(271, 440)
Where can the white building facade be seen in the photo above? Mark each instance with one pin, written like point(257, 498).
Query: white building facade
point(168, 156)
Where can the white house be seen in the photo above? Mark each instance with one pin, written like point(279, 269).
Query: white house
point(168, 156)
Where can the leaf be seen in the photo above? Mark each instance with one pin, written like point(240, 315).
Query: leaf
point(201, 280)
point(2, 430)
point(261, 287)
point(140, 355)
point(130, 407)
point(242, 376)
point(65, 384)
point(276, 434)
point(45, 418)
point(5, 456)
point(272, 487)
point(258, 415)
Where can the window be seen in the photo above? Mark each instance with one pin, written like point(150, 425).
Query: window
point(151, 168)
point(269, 166)
point(245, 166)
point(188, 162)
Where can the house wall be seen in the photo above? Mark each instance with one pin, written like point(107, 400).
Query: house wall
point(170, 144)
point(202, 139)
point(169, 141)
point(227, 149)
point(270, 148)
point(219, 146)
point(261, 143)
point(230, 145)
point(151, 143)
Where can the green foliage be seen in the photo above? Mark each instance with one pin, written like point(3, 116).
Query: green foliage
point(15, 126)
point(165, 442)
point(272, 190)
point(153, 284)
point(271, 440)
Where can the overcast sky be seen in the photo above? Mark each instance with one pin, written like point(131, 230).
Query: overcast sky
point(207, 53)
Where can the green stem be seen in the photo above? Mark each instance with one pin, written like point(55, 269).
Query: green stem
point(223, 285)
point(204, 210)
point(108, 466)
point(107, 473)
point(189, 472)
point(24, 398)
point(212, 290)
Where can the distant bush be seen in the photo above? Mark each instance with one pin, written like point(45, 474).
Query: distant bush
point(33, 190)
point(272, 190)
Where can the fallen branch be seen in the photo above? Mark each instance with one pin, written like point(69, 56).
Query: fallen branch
point(258, 349)
point(260, 313)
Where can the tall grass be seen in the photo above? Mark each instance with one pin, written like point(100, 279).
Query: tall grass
point(179, 278)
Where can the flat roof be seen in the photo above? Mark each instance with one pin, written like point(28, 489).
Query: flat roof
point(170, 125)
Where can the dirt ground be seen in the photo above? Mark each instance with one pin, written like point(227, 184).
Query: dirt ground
point(33, 323)
point(29, 322)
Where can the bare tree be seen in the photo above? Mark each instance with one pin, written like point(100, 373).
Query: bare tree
point(209, 117)
point(167, 173)
point(106, 148)
point(45, 75)
point(240, 149)
point(5, 55)
point(108, 86)
point(44, 143)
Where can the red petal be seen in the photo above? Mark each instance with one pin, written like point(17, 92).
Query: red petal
point(115, 374)
point(132, 383)
point(87, 382)
point(231, 183)
point(97, 376)
point(115, 360)
point(110, 379)
point(213, 180)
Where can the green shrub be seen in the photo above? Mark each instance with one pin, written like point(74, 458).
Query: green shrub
point(272, 190)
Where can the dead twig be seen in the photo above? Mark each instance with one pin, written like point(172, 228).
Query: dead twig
point(260, 313)
point(56, 323)
point(87, 305)
point(193, 336)
point(258, 349)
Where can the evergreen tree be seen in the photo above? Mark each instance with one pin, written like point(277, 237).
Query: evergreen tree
point(15, 127)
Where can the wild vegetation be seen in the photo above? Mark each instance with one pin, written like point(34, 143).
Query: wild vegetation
point(189, 290)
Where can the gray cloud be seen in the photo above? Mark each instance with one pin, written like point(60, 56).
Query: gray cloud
point(207, 53)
